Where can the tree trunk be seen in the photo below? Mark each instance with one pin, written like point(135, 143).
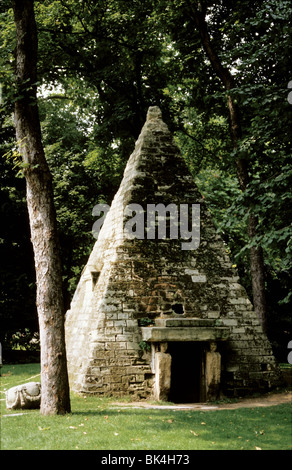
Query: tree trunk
point(257, 274)
point(256, 253)
point(54, 377)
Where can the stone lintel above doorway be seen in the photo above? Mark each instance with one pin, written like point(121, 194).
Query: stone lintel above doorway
point(184, 329)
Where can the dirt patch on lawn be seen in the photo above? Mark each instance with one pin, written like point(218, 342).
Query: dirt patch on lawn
point(262, 401)
point(266, 400)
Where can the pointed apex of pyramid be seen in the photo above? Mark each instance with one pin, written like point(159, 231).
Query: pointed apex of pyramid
point(154, 112)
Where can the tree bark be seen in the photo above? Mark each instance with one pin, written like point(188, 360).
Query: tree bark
point(257, 274)
point(55, 397)
point(256, 253)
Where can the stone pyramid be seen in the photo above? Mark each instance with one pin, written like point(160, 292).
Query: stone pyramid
point(157, 315)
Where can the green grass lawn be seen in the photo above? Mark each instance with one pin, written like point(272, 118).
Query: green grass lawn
point(99, 424)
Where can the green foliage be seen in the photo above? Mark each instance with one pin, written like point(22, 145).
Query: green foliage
point(144, 346)
point(25, 340)
point(65, 144)
point(101, 64)
point(221, 191)
point(145, 321)
point(7, 41)
point(17, 277)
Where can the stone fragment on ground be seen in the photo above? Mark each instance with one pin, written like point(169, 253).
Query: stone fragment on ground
point(25, 396)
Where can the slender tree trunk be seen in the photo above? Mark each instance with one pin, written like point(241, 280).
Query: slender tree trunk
point(54, 377)
point(257, 275)
point(256, 253)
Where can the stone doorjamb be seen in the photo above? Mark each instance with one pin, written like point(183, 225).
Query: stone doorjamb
point(210, 376)
point(185, 329)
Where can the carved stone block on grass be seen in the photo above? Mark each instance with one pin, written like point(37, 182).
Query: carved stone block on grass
point(26, 396)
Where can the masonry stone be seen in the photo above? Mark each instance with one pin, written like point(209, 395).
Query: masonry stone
point(213, 373)
point(163, 377)
point(25, 396)
point(144, 304)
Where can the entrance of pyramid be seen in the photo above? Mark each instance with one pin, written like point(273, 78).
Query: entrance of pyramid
point(187, 371)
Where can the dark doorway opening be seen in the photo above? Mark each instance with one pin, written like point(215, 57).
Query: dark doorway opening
point(187, 372)
point(178, 308)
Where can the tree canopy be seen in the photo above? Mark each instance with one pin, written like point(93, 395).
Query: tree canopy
point(100, 66)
